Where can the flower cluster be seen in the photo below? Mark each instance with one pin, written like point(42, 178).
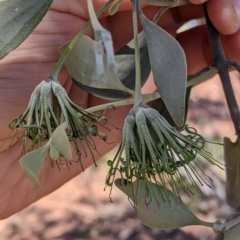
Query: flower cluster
point(157, 152)
point(48, 108)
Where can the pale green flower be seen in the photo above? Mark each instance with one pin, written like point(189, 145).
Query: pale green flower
point(49, 106)
point(157, 152)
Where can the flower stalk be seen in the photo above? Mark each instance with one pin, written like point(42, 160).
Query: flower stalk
point(138, 84)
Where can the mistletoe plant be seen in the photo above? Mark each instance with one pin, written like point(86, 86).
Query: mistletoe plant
point(156, 160)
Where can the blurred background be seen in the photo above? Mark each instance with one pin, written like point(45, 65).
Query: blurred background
point(81, 209)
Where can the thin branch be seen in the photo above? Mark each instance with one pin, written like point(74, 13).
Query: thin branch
point(222, 64)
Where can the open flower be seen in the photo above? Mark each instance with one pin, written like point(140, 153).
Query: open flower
point(48, 108)
point(157, 152)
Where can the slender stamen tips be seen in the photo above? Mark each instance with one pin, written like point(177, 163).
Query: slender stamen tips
point(48, 108)
point(157, 152)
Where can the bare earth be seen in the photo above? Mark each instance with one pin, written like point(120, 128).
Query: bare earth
point(82, 210)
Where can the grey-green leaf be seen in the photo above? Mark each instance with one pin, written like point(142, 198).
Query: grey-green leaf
point(168, 65)
point(81, 66)
point(31, 163)
point(232, 161)
point(159, 214)
point(18, 18)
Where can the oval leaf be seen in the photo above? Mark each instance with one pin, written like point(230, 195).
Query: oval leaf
point(168, 65)
point(18, 18)
point(81, 65)
point(159, 214)
point(59, 143)
point(31, 164)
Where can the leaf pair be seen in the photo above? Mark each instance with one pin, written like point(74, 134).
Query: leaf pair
point(58, 144)
point(81, 65)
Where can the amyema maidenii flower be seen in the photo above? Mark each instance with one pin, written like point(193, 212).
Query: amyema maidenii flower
point(157, 152)
point(49, 106)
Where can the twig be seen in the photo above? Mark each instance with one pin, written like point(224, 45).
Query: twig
point(222, 64)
